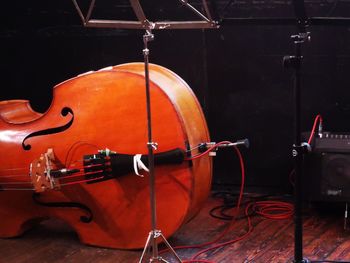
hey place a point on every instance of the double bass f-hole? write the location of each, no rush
(74, 174)
(64, 112)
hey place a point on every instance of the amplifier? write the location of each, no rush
(327, 168)
(332, 142)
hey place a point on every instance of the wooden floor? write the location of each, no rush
(270, 241)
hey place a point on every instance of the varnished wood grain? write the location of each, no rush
(107, 110)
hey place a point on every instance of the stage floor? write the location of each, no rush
(270, 241)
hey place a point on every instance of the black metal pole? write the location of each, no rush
(299, 149)
(298, 158)
(154, 233)
(148, 36)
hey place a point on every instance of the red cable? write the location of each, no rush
(207, 151)
(193, 260)
(274, 209)
(269, 209)
(250, 229)
(318, 117)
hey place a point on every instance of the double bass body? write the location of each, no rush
(94, 111)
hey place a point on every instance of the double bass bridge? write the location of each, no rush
(40, 172)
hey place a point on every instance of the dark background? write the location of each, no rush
(235, 71)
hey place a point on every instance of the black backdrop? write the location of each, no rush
(235, 71)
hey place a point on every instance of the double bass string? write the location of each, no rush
(12, 175)
(70, 164)
(14, 169)
(7, 186)
(61, 180)
(16, 189)
(83, 181)
(10, 183)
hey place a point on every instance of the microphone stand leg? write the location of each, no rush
(152, 236)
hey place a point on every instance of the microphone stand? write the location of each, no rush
(299, 148)
(154, 233)
(143, 23)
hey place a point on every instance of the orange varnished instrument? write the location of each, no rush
(69, 162)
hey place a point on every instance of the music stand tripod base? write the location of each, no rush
(154, 234)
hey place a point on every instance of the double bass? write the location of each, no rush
(76, 161)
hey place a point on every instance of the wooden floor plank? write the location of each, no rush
(342, 251)
(271, 241)
(276, 245)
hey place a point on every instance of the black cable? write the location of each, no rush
(229, 202)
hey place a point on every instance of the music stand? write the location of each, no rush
(205, 22)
